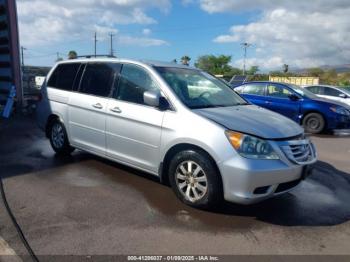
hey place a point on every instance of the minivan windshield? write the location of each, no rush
(303, 91)
(198, 89)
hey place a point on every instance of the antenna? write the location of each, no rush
(245, 47)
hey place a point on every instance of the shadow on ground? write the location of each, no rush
(321, 200)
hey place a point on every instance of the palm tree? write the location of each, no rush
(185, 60)
(72, 55)
(285, 68)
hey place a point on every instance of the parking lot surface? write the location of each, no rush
(84, 205)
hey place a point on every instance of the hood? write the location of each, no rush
(331, 102)
(253, 120)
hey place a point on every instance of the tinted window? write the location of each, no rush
(64, 75)
(134, 81)
(98, 79)
(316, 89)
(331, 92)
(278, 91)
(254, 89)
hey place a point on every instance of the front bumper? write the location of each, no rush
(248, 181)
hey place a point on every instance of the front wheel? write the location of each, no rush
(59, 139)
(195, 179)
(314, 123)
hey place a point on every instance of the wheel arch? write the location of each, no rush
(164, 166)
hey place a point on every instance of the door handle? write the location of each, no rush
(267, 102)
(116, 110)
(98, 106)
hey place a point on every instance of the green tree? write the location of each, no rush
(315, 72)
(185, 60)
(253, 70)
(216, 65)
(72, 55)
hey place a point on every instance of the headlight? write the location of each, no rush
(250, 146)
(340, 110)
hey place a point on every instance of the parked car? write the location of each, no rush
(340, 94)
(315, 114)
(175, 122)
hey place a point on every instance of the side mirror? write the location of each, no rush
(293, 97)
(151, 98)
(343, 95)
(155, 99)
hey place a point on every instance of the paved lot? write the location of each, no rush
(85, 205)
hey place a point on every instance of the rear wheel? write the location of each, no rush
(59, 139)
(314, 123)
(195, 179)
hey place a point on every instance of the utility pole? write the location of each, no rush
(95, 44)
(111, 50)
(22, 55)
(245, 47)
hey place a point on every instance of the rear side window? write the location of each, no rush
(63, 76)
(253, 89)
(98, 79)
(278, 91)
(316, 89)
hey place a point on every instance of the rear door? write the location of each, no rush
(254, 93)
(87, 107)
(278, 99)
(133, 129)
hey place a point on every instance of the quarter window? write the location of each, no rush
(134, 82)
(63, 76)
(98, 79)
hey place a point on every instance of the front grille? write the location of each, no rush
(300, 151)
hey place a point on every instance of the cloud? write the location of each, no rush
(146, 31)
(140, 41)
(303, 34)
(44, 22)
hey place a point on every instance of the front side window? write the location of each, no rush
(98, 78)
(331, 92)
(278, 91)
(134, 82)
(64, 76)
(197, 89)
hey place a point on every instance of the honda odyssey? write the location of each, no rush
(175, 122)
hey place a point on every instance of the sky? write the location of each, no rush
(301, 34)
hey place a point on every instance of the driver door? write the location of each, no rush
(133, 129)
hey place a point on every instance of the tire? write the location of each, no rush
(59, 138)
(195, 179)
(314, 123)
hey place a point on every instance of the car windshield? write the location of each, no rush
(303, 91)
(198, 89)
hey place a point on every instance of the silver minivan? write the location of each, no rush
(175, 122)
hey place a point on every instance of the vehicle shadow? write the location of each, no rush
(321, 200)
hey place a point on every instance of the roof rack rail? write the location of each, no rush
(94, 56)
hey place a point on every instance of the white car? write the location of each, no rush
(340, 94)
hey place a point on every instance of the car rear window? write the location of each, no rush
(63, 76)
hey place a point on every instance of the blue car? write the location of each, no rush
(315, 114)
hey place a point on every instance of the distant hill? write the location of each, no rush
(338, 68)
